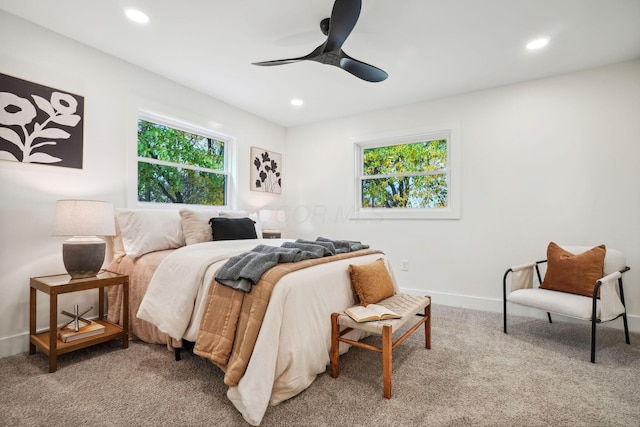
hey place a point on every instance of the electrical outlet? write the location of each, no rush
(405, 265)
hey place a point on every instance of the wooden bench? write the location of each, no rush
(408, 306)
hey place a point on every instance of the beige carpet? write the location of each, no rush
(474, 375)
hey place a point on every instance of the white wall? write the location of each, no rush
(113, 92)
(549, 160)
(556, 159)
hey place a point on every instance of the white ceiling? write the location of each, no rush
(430, 48)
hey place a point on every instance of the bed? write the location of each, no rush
(172, 285)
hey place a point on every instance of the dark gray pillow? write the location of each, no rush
(233, 228)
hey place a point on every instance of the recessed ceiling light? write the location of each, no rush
(137, 16)
(538, 43)
(297, 102)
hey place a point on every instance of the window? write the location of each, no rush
(408, 177)
(179, 163)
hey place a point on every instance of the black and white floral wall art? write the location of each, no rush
(39, 124)
(266, 171)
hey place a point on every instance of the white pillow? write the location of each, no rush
(118, 245)
(195, 225)
(149, 230)
(244, 214)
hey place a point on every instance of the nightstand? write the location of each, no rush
(48, 341)
(271, 234)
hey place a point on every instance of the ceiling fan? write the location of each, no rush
(344, 16)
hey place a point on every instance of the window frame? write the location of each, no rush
(449, 132)
(229, 160)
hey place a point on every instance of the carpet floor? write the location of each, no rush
(537, 375)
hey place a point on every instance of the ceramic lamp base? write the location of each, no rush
(83, 257)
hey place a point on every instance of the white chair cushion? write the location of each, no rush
(566, 304)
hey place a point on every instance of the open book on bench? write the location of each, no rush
(370, 313)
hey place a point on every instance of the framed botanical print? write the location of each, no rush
(266, 171)
(40, 124)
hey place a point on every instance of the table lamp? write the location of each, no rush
(83, 254)
(272, 220)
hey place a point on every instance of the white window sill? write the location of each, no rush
(382, 213)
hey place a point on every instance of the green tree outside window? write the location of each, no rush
(175, 166)
(412, 175)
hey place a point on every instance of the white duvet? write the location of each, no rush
(295, 338)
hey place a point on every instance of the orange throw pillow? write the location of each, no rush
(371, 282)
(576, 274)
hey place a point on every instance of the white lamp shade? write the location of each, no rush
(84, 218)
(273, 219)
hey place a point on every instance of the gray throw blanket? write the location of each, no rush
(245, 270)
(323, 248)
(343, 246)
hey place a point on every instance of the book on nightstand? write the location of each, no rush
(68, 334)
(371, 312)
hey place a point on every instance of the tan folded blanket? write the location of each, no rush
(232, 320)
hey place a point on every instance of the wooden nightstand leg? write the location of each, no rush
(101, 303)
(427, 327)
(53, 329)
(32, 319)
(387, 348)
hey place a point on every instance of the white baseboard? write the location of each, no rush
(14, 345)
(495, 305)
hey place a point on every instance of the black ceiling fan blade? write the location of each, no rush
(312, 55)
(344, 17)
(279, 62)
(362, 70)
